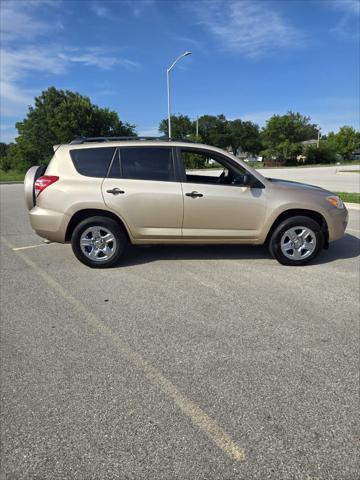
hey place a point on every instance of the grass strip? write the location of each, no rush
(349, 197)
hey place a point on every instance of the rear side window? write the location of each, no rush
(92, 162)
(146, 164)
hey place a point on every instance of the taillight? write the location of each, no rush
(42, 182)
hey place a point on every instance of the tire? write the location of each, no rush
(296, 241)
(99, 242)
(29, 181)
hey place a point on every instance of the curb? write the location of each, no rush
(352, 206)
(11, 182)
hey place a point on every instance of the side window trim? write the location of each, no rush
(178, 165)
(116, 154)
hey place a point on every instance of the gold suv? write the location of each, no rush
(102, 193)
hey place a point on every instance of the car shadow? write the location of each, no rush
(347, 247)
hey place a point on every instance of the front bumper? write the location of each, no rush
(337, 221)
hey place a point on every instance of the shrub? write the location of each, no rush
(323, 154)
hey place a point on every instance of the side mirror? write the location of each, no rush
(247, 180)
(243, 180)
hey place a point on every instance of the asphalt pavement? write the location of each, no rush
(185, 362)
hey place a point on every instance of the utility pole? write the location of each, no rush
(318, 139)
(185, 54)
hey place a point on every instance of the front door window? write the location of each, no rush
(203, 167)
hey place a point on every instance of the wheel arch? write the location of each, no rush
(293, 212)
(81, 215)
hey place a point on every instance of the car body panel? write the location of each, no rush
(224, 211)
(151, 209)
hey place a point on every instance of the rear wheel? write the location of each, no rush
(98, 242)
(296, 241)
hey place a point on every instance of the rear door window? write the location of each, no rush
(146, 163)
(92, 162)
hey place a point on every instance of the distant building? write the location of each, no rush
(309, 143)
(355, 154)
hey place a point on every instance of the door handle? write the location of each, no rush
(194, 194)
(115, 191)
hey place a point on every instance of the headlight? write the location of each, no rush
(335, 201)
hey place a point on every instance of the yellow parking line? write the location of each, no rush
(16, 249)
(187, 406)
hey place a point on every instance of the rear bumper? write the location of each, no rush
(49, 224)
(337, 222)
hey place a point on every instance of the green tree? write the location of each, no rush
(3, 149)
(344, 142)
(243, 135)
(181, 126)
(6, 155)
(57, 117)
(283, 133)
(213, 130)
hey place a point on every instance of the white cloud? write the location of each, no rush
(99, 9)
(95, 57)
(248, 26)
(51, 59)
(138, 6)
(348, 6)
(347, 26)
(7, 133)
(14, 100)
(22, 53)
(16, 64)
(19, 22)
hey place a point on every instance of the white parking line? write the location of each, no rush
(30, 246)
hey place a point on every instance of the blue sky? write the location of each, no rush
(250, 58)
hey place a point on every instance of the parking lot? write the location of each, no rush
(196, 362)
(336, 178)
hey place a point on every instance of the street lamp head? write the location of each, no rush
(185, 54)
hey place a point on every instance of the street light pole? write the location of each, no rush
(185, 54)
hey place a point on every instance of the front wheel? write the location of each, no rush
(98, 242)
(296, 241)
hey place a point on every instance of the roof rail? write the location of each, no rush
(80, 140)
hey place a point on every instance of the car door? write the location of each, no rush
(142, 189)
(216, 205)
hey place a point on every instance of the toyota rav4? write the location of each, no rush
(102, 193)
